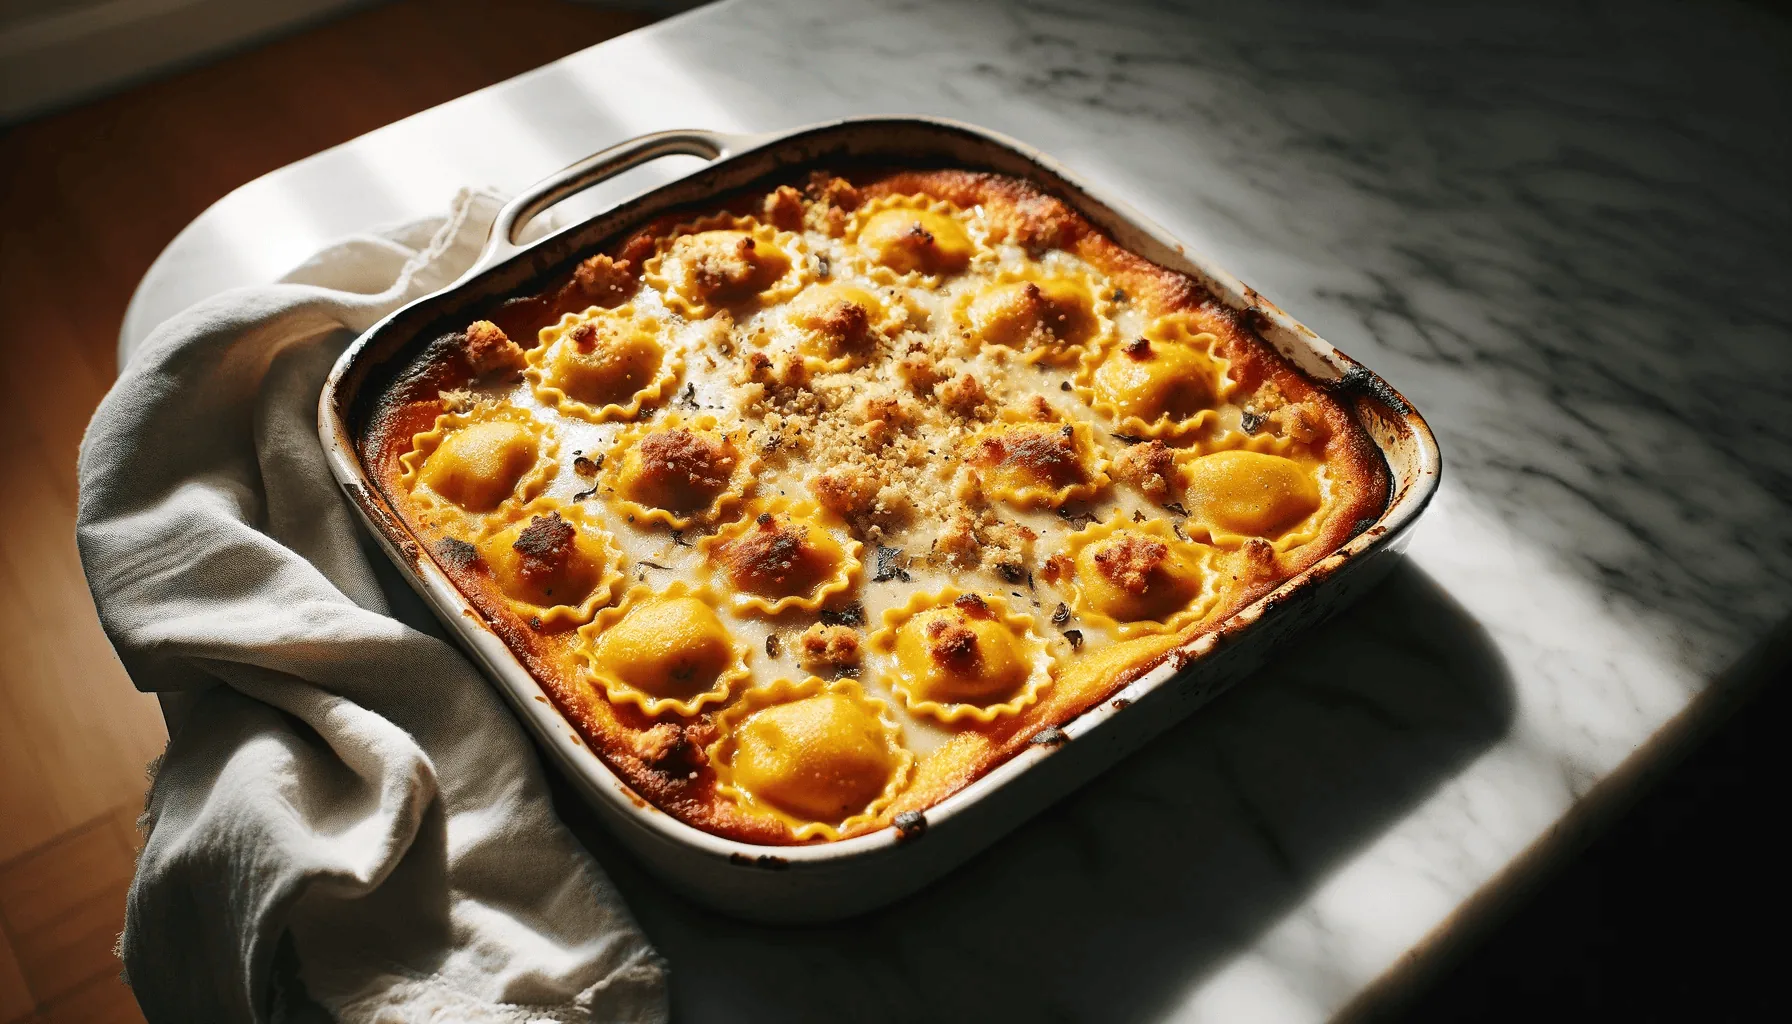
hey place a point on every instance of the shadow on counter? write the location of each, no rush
(1112, 903)
(1661, 915)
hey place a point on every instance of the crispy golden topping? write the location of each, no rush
(892, 409)
(544, 546)
(958, 542)
(964, 395)
(1267, 399)
(1048, 454)
(1028, 305)
(603, 281)
(584, 336)
(726, 268)
(973, 606)
(457, 400)
(1148, 467)
(831, 200)
(1038, 223)
(674, 748)
(1130, 560)
(686, 459)
(1255, 560)
(917, 239)
(772, 554)
(919, 371)
(924, 402)
(973, 538)
(884, 416)
(844, 322)
(847, 490)
(1270, 411)
(952, 644)
(1009, 536)
(1037, 409)
(829, 220)
(786, 370)
(490, 350)
(836, 192)
(823, 646)
(784, 208)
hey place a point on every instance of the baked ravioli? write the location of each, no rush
(810, 507)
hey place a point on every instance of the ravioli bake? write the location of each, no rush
(809, 508)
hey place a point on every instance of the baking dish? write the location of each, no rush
(840, 878)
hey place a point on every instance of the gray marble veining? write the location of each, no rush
(1563, 232)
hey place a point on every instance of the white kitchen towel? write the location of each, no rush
(348, 821)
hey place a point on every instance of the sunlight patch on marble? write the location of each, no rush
(1590, 688)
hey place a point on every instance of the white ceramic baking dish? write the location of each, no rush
(833, 880)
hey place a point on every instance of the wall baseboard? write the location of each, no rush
(49, 59)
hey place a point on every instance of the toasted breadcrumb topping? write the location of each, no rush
(1035, 223)
(768, 552)
(1255, 560)
(848, 490)
(784, 208)
(668, 747)
(1037, 409)
(831, 200)
(1148, 467)
(544, 546)
(686, 458)
(602, 281)
(920, 372)
(828, 647)
(489, 350)
(1049, 454)
(844, 322)
(964, 396)
(1270, 411)
(720, 268)
(458, 400)
(952, 644)
(1130, 560)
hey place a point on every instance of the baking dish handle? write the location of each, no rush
(597, 167)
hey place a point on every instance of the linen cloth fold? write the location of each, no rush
(347, 822)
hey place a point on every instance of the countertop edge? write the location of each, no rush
(1454, 939)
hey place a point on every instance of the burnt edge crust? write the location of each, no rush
(1038, 221)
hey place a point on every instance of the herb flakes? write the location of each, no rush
(1077, 520)
(851, 615)
(891, 566)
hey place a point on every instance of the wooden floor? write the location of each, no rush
(88, 197)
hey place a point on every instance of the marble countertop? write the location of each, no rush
(1564, 235)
